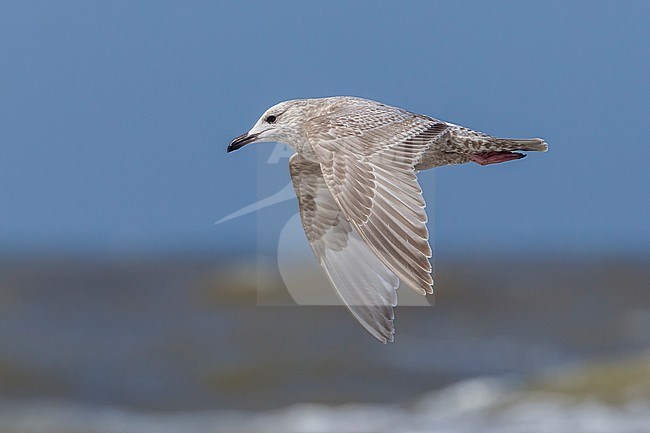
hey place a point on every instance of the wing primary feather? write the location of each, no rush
(362, 281)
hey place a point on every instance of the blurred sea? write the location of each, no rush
(180, 344)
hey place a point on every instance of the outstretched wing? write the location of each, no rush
(362, 281)
(368, 159)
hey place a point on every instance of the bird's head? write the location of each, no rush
(282, 123)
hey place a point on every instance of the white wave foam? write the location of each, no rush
(485, 404)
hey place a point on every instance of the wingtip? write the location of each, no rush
(385, 335)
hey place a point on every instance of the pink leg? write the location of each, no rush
(487, 158)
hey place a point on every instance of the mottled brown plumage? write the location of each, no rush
(360, 202)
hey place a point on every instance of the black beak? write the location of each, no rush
(241, 141)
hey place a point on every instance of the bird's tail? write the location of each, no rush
(496, 150)
(464, 140)
(485, 149)
(527, 144)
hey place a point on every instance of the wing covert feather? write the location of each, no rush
(368, 158)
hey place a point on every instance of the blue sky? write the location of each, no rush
(114, 116)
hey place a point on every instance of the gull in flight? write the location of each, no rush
(361, 206)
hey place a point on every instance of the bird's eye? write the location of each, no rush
(270, 119)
